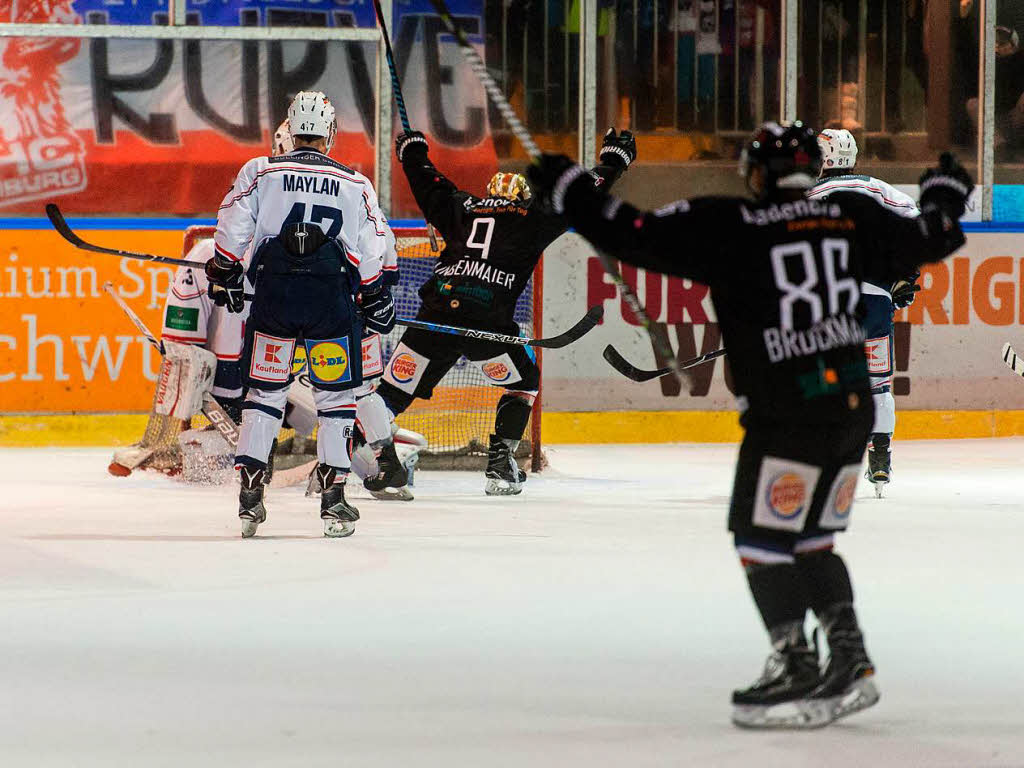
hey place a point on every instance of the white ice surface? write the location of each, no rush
(601, 619)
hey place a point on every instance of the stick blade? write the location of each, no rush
(578, 331)
(60, 224)
(626, 368)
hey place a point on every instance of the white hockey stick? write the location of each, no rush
(1010, 357)
(212, 410)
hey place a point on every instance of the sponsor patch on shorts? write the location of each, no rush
(879, 355)
(500, 370)
(182, 318)
(785, 489)
(271, 358)
(328, 361)
(299, 361)
(373, 358)
(839, 504)
(406, 369)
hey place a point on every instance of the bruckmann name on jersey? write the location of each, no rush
(319, 184)
(831, 333)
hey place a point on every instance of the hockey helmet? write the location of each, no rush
(312, 114)
(283, 143)
(787, 154)
(511, 186)
(838, 149)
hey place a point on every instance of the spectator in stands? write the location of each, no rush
(1009, 92)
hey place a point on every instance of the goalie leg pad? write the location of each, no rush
(262, 414)
(336, 413)
(374, 418)
(186, 375)
(300, 412)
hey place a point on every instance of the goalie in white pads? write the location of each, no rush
(320, 243)
(880, 297)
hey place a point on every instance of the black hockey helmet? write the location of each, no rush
(787, 154)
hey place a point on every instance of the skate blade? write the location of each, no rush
(804, 714)
(497, 487)
(859, 696)
(393, 494)
(338, 529)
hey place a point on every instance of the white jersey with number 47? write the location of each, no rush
(306, 185)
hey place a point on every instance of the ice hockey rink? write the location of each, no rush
(599, 619)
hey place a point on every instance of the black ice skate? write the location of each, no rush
(392, 478)
(779, 698)
(338, 515)
(847, 684)
(250, 500)
(879, 461)
(504, 477)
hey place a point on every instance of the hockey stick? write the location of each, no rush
(584, 326)
(212, 410)
(630, 371)
(1015, 363)
(57, 219)
(523, 135)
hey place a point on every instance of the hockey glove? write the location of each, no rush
(226, 284)
(903, 293)
(947, 187)
(411, 144)
(620, 146)
(550, 177)
(378, 310)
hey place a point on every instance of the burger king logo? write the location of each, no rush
(496, 371)
(844, 496)
(328, 361)
(786, 495)
(403, 368)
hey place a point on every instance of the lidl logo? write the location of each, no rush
(786, 495)
(403, 368)
(328, 361)
(299, 361)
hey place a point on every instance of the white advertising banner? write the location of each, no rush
(947, 350)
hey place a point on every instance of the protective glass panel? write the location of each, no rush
(1009, 107)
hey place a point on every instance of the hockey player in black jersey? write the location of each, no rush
(785, 275)
(492, 245)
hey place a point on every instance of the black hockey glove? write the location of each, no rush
(621, 147)
(378, 310)
(903, 293)
(226, 284)
(411, 144)
(550, 177)
(948, 187)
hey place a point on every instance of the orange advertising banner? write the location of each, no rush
(65, 346)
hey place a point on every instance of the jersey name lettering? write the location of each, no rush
(797, 209)
(830, 333)
(317, 184)
(477, 269)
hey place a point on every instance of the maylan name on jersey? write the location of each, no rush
(796, 209)
(479, 270)
(319, 184)
(830, 333)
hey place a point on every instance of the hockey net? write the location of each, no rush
(459, 417)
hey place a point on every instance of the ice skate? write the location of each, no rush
(392, 478)
(847, 684)
(250, 500)
(338, 515)
(780, 697)
(879, 462)
(504, 477)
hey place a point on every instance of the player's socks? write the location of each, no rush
(847, 684)
(250, 499)
(338, 515)
(504, 477)
(879, 469)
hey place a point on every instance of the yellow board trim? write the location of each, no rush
(558, 427)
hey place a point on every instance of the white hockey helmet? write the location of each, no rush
(312, 114)
(283, 143)
(838, 149)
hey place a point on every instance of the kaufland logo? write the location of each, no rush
(40, 154)
(270, 353)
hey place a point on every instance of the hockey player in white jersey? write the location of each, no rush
(320, 241)
(881, 298)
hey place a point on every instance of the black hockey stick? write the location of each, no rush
(630, 371)
(523, 135)
(57, 219)
(212, 410)
(1010, 357)
(584, 326)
